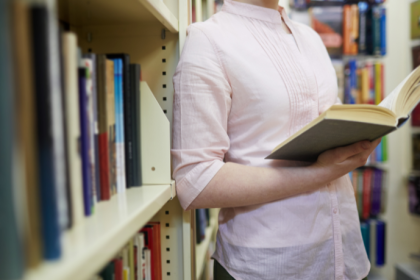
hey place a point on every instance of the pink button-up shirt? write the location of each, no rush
(243, 86)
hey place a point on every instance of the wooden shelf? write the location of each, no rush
(81, 13)
(202, 248)
(90, 245)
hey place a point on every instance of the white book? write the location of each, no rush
(73, 125)
(148, 268)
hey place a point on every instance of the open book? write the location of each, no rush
(342, 125)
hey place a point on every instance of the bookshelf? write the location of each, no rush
(88, 246)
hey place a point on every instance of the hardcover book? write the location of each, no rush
(343, 125)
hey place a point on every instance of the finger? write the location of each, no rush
(343, 153)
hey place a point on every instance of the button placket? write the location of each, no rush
(338, 244)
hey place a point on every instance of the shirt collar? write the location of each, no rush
(253, 11)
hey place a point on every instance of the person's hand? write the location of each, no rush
(340, 161)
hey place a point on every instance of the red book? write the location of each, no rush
(347, 28)
(104, 166)
(158, 255)
(118, 269)
(367, 186)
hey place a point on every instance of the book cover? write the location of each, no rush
(111, 119)
(118, 268)
(367, 181)
(25, 122)
(104, 154)
(12, 263)
(383, 31)
(363, 7)
(380, 243)
(149, 238)
(157, 256)
(347, 29)
(378, 83)
(119, 126)
(129, 114)
(84, 143)
(73, 124)
(328, 23)
(360, 192)
(354, 34)
(108, 272)
(414, 194)
(49, 141)
(148, 262)
(131, 259)
(135, 97)
(93, 72)
(384, 144)
(88, 65)
(376, 31)
(365, 228)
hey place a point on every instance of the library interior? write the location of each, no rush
(91, 140)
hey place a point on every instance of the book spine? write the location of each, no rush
(380, 243)
(378, 83)
(367, 180)
(376, 29)
(373, 225)
(383, 31)
(354, 47)
(362, 27)
(11, 252)
(128, 122)
(347, 29)
(365, 228)
(118, 266)
(353, 81)
(50, 224)
(86, 170)
(104, 166)
(360, 193)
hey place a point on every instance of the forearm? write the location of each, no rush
(238, 185)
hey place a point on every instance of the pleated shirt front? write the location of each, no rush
(242, 86)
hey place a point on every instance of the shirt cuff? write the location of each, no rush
(196, 180)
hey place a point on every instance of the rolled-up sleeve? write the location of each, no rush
(201, 107)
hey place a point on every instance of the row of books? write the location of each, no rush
(140, 259)
(304, 4)
(370, 191)
(70, 132)
(374, 239)
(202, 221)
(358, 29)
(414, 193)
(362, 82)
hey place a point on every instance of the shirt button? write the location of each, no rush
(335, 210)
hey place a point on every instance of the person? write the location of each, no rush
(248, 78)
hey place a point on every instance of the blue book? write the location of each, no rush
(353, 81)
(119, 123)
(383, 30)
(380, 243)
(84, 143)
(378, 153)
(11, 255)
(50, 175)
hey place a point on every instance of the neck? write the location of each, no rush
(271, 4)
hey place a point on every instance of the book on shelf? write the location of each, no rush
(343, 125)
(414, 193)
(416, 151)
(353, 28)
(374, 239)
(139, 259)
(119, 126)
